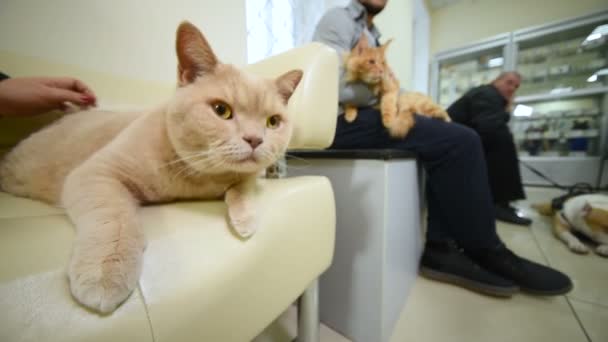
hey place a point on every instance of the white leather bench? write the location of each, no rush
(199, 282)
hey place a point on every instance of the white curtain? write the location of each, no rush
(274, 26)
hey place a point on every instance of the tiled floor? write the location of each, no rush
(440, 312)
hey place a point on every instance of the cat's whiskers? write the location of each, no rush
(187, 157)
(193, 157)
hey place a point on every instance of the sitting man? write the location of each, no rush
(485, 109)
(462, 246)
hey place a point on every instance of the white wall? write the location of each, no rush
(396, 21)
(421, 46)
(133, 39)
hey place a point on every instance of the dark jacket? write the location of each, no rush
(482, 108)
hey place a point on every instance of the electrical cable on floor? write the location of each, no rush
(571, 191)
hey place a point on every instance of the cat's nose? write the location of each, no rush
(253, 141)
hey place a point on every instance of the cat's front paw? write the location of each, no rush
(350, 113)
(578, 247)
(102, 285)
(602, 250)
(244, 224)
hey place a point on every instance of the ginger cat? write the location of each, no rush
(586, 214)
(368, 65)
(221, 128)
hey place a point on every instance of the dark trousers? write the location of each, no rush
(459, 200)
(503, 165)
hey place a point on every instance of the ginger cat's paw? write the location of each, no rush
(388, 120)
(389, 110)
(350, 113)
(102, 284)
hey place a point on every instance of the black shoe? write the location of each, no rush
(509, 215)
(445, 261)
(529, 276)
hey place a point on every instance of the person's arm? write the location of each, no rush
(335, 29)
(37, 95)
(488, 111)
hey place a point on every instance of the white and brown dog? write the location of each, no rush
(586, 214)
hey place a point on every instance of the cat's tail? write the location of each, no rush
(544, 208)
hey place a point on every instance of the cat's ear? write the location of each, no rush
(194, 54)
(288, 82)
(385, 45)
(361, 44)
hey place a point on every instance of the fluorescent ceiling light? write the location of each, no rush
(522, 110)
(496, 62)
(593, 36)
(592, 78)
(597, 33)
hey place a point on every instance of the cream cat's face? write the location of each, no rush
(223, 119)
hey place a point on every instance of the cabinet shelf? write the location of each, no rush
(545, 117)
(561, 95)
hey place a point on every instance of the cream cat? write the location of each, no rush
(368, 65)
(221, 128)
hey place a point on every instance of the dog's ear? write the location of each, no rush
(586, 209)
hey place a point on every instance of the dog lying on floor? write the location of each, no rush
(586, 214)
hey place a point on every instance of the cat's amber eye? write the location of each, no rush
(222, 110)
(273, 121)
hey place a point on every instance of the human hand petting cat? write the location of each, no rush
(25, 96)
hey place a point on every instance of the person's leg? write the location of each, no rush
(443, 258)
(460, 207)
(503, 166)
(452, 157)
(457, 181)
(503, 174)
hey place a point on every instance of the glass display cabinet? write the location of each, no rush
(559, 117)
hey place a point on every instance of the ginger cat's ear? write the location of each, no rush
(385, 45)
(288, 82)
(195, 56)
(361, 44)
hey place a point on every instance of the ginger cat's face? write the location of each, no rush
(366, 63)
(223, 119)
